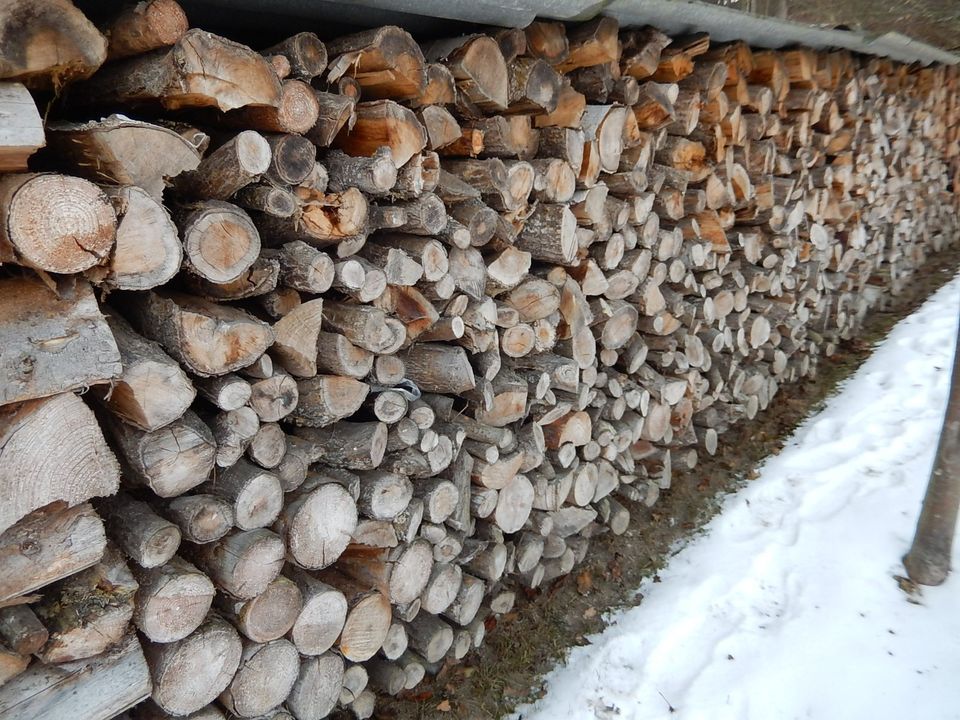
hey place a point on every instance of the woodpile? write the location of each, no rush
(314, 354)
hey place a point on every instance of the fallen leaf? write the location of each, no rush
(444, 706)
(590, 613)
(584, 582)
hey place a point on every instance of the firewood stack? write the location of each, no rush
(311, 355)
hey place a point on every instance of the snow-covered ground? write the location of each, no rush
(787, 607)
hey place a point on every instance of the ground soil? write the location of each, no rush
(523, 644)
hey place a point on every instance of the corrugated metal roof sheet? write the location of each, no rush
(433, 17)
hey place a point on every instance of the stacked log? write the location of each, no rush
(376, 333)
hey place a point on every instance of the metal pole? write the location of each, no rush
(928, 562)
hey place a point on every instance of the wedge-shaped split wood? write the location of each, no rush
(200, 70)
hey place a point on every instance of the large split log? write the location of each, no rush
(78, 628)
(22, 131)
(148, 251)
(200, 70)
(54, 341)
(386, 61)
(72, 467)
(47, 43)
(384, 123)
(48, 545)
(99, 688)
(170, 460)
(152, 391)
(124, 151)
(208, 339)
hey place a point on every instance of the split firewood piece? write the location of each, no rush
(654, 109)
(430, 636)
(243, 563)
(368, 616)
(549, 234)
(148, 251)
(336, 112)
(317, 523)
(386, 61)
(48, 43)
(363, 325)
(172, 600)
(233, 431)
(383, 123)
(561, 143)
(74, 466)
(254, 493)
(297, 111)
(209, 339)
(269, 615)
(427, 252)
(264, 678)
(439, 368)
(336, 355)
(306, 53)
(416, 313)
(169, 461)
(78, 628)
(22, 133)
(534, 299)
(534, 86)
(323, 220)
(570, 105)
(426, 215)
(508, 136)
(547, 41)
(479, 68)
(604, 124)
(143, 27)
(200, 70)
(325, 399)
(592, 43)
(555, 180)
(305, 268)
(237, 163)
(298, 332)
(37, 362)
(97, 689)
(374, 175)
(440, 88)
(21, 631)
(56, 223)
(577, 315)
(317, 687)
(69, 540)
(144, 536)
(441, 126)
(507, 270)
(321, 619)
(192, 672)
(268, 447)
(349, 445)
(641, 51)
